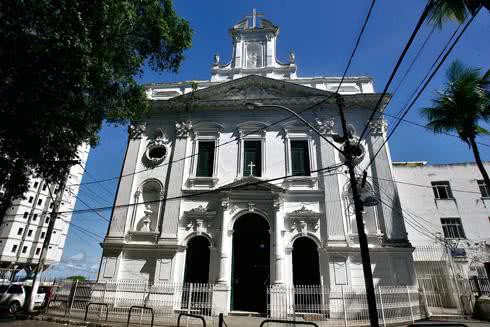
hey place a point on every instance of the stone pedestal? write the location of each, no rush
(221, 299)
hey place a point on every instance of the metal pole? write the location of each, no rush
(363, 243)
(47, 241)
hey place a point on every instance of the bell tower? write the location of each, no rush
(254, 52)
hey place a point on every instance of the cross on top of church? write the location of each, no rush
(254, 17)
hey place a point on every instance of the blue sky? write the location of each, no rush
(322, 33)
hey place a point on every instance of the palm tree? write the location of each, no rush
(457, 10)
(464, 102)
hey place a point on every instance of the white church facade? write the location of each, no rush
(215, 191)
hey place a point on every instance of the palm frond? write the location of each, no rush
(444, 10)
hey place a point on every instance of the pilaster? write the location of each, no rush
(174, 189)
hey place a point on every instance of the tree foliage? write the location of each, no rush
(461, 106)
(77, 277)
(68, 65)
(456, 10)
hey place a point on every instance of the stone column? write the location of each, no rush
(390, 218)
(120, 217)
(174, 189)
(278, 234)
(221, 291)
(224, 247)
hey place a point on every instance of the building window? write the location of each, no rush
(36, 184)
(252, 158)
(24, 249)
(29, 233)
(300, 159)
(14, 248)
(26, 214)
(45, 186)
(39, 202)
(20, 231)
(38, 250)
(34, 217)
(31, 199)
(442, 190)
(484, 189)
(42, 235)
(452, 228)
(205, 159)
(47, 220)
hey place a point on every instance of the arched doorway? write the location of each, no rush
(251, 252)
(306, 267)
(197, 260)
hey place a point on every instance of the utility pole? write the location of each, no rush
(44, 251)
(349, 150)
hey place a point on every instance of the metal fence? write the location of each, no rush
(343, 305)
(166, 299)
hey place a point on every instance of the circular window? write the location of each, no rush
(155, 154)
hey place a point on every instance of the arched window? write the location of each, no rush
(306, 266)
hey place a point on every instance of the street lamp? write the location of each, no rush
(349, 153)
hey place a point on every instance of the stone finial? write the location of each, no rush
(216, 59)
(182, 129)
(292, 57)
(378, 127)
(325, 126)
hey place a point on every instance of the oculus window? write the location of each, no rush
(205, 159)
(300, 160)
(252, 158)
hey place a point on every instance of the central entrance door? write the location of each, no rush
(250, 274)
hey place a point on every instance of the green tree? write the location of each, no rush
(442, 10)
(67, 66)
(461, 106)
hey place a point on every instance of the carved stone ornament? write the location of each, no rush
(182, 129)
(292, 57)
(200, 212)
(304, 220)
(325, 126)
(136, 129)
(251, 206)
(199, 226)
(225, 203)
(378, 127)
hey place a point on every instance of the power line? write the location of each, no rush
(398, 63)
(424, 86)
(356, 44)
(217, 190)
(233, 140)
(89, 207)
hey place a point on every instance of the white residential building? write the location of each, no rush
(25, 224)
(194, 177)
(447, 204)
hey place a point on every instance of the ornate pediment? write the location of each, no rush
(303, 220)
(251, 183)
(200, 212)
(252, 87)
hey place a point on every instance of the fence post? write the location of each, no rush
(343, 305)
(410, 303)
(71, 297)
(189, 298)
(382, 307)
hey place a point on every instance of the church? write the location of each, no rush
(219, 186)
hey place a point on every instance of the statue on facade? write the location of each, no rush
(292, 57)
(216, 59)
(147, 219)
